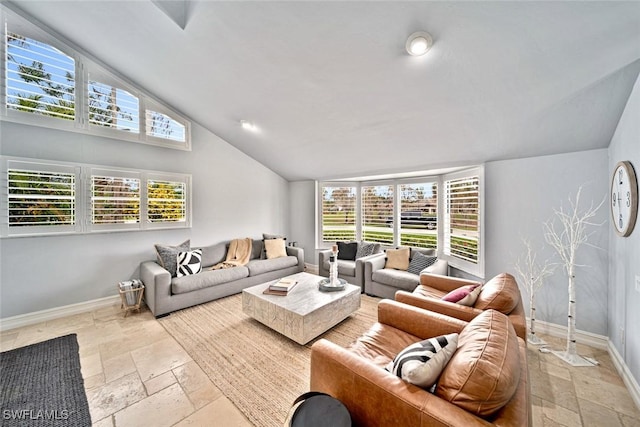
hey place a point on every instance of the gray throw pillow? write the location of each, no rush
(168, 255)
(419, 262)
(366, 249)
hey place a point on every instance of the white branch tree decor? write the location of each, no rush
(532, 274)
(570, 235)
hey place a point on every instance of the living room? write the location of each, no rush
(541, 98)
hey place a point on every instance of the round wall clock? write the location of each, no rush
(624, 198)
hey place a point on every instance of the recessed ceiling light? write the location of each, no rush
(246, 124)
(419, 43)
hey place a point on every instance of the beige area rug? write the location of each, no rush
(259, 370)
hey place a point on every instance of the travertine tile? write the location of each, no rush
(118, 367)
(158, 358)
(594, 415)
(105, 422)
(559, 414)
(165, 408)
(616, 398)
(220, 413)
(113, 396)
(91, 365)
(160, 382)
(196, 384)
(94, 381)
(628, 421)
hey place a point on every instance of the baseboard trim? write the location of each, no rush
(57, 312)
(583, 337)
(623, 370)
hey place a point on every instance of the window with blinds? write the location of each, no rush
(462, 230)
(41, 198)
(419, 215)
(160, 125)
(40, 78)
(115, 200)
(338, 215)
(113, 107)
(166, 201)
(377, 214)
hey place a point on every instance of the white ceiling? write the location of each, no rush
(334, 94)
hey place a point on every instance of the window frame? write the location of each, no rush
(86, 66)
(357, 227)
(83, 198)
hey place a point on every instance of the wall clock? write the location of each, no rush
(624, 198)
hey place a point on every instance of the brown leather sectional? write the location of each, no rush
(485, 382)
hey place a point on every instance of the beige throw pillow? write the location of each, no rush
(275, 248)
(398, 259)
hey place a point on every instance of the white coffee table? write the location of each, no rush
(305, 312)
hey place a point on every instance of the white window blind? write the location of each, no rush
(115, 199)
(462, 219)
(40, 79)
(419, 215)
(159, 125)
(166, 201)
(338, 213)
(112, 107)
(41, 198)
(377, 213)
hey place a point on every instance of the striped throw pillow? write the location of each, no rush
(189, 263)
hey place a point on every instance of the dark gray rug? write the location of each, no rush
(41, 385)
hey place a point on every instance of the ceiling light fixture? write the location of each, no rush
(419, 43)
(246, 124)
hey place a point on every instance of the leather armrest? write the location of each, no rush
(443, 307)
(445, 283)
(416, 321)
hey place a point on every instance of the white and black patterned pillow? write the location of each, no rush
(365, 249)
(189, 262)
(421, 363)
(420, 261)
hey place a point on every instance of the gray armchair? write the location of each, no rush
(351, 271)
(384, 282)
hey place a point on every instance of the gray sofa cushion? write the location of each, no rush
(396, 278)
(345, 267)
(211, 255)
(206, 278)
(257, 247)
(260, 266)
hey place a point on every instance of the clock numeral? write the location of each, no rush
(620, 176)
(628, 199)
(613, 199)
(621, 222)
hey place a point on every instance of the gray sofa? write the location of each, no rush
(164, 294)
(384, 282)
(351, 271)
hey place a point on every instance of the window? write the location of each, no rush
(40, 197)
(462, 230)
(113, 107)
(419, 215)
(377, 214)
(166, 201)
(115, 198)
(55, 197)
(338, 213)
(46, 82)
(39, 78)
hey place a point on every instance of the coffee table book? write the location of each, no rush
(281, 287)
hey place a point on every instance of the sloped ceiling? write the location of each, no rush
(334, 94)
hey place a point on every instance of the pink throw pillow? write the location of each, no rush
(465, 295)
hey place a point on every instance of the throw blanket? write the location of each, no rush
(239, 254)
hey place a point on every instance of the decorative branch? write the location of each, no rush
(532, 274)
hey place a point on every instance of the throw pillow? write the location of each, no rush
(420, 261)
(398, 259)
(167, 255)
(267, 236)
(421, 363)
(366, 249)
(347, 250)
(189, 263)
(464, 295)
(275, 248)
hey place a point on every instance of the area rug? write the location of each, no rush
(258, 369)
(41, 385)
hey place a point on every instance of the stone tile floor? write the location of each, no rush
(136, 374)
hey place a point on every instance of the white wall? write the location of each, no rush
(233, 196)
(624, 259)
(302, 211)
(520, 196)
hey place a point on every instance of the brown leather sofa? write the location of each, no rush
(485, 383)
(500, 293)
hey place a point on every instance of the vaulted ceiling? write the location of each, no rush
(334, 94)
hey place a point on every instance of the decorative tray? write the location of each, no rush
(325, 285)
